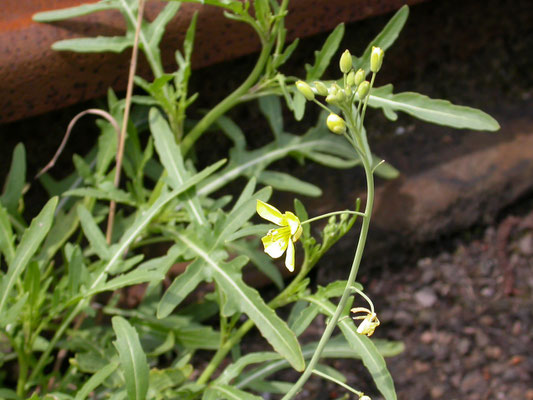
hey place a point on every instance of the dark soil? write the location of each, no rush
(464, 314)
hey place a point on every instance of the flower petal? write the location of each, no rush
(293, 221)
(275, 246)
(269, 213)
(289, 259)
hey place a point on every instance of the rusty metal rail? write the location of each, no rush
(35, 79)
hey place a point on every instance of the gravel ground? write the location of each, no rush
(464, 314)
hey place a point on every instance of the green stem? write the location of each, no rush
(307, 221)
(347, 290)
(342, 384)
(226, 104)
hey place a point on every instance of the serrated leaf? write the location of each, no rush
(156, 29)
(270, 106)
(7, 238)
(73, 12)
(181, 287)
(96, 380)
(248, 300)
(30, 242)
(234, 370)
(324, 56)
(171, 158)
(93, 233)
(99, 44)
(229, 393)
(285, 182)
(437, 111)
(133, 361)
(15, 180)
(385, 38)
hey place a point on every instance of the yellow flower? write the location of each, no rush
(278, 240)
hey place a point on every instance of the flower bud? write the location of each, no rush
(359, 77)
(365, 397)
(346, 62)
(350, 78)
(333, 89)
(348, 91)
(331, 99)
(321, 88)
(376, 59)
(305, 89)
(336, 124)
(340, 96)
(362, 90)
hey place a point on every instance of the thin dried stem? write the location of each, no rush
(95, 111)
(122, 137)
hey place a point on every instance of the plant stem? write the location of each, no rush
(307, 221)
(230, 101)
(347, 290)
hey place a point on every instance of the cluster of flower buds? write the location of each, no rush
(355, 87)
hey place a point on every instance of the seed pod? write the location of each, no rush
(305, 89)
(336, 124)
(321, 88)
(346, 62)
(376, 59)
(363, 89)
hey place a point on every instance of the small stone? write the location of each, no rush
(516, 329)
(426, 297)
(426, 337)
(525, 245)
(486, 320)
(487, 291)
(529, 394)
(424, 262)
(493, 352)
(437, 392)
(472, 380)
(463, 346)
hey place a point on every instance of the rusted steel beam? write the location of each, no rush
(36, 79)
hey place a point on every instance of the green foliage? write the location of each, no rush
(66, 328)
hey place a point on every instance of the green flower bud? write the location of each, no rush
(346, 62)
(336, 124)
(333, 89)
(321, 88)
(332, 220)
(340, 96)
(348, 91)
(359, 77)
(305, 89)
(331, 99)
(376, 59)
(363, 89)
(350, 78)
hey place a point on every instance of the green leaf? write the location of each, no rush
(282, 59)
(107, 192)
(229, 393)
(133, 361)
(248, 300)
(285, 182)
(383, 169)
(73, 12)
(181, 287)
(324, 56)
(15, 180)
(275, 387)
(131, 234)
(31, 239)
(96, 380)
(235, 369)
(93, 233)
(304, 319)
(298, 104)
(171, 158)
(436, 111)
(385, 38)
(232, 131)
(270, 106)
(156, 29)
(99, 44)
(6, 236)
(64, 226)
